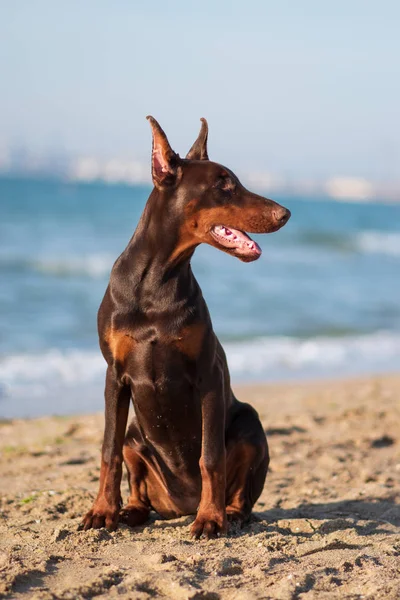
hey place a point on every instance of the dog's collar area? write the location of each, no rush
(237, 240)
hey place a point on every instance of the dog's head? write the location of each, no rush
(215, 208)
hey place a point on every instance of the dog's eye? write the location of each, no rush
(225, 184)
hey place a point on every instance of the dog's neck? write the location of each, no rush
(152, 265)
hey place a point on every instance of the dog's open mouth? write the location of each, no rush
(237, 241)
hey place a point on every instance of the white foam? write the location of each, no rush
(377, 242)
(92, 265)
(89, 265)
(42, 382)
(286, 355)
(55, 373)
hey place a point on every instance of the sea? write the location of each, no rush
(323, 301)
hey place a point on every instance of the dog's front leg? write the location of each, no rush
(105, 510)
(211, 515)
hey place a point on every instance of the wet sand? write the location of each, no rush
(326, 526)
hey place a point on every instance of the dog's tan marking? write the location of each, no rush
(190, 340)
(187, 240)
(198, 223)
(247, 217)
(120, 342)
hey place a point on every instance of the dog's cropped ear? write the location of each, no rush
(199, 149)
(164, 161)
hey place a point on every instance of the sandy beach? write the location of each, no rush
(326, 526)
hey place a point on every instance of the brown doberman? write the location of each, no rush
(192, 447)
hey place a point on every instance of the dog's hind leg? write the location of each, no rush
(137, 510)
(247, 461)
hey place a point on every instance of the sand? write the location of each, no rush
(326, 526)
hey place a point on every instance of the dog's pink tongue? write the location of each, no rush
(237, 239)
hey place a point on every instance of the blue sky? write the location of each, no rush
(305, 89)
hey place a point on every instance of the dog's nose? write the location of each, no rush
(281, 215)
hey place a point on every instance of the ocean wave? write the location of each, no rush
(90, 265)
(378, 242)
(70, 366)
(261, 358)
(281, 356)
(98, 265)
(364, 242)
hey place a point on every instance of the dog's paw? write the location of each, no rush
(101, 515)
(208, 527)
(133, 515)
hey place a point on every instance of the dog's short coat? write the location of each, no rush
(192, 447)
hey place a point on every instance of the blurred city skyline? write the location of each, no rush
(292, 92)
(19, 162)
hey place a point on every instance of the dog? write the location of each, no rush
(192, 448)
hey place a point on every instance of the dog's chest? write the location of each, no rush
(166, 396)
(156, 353)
